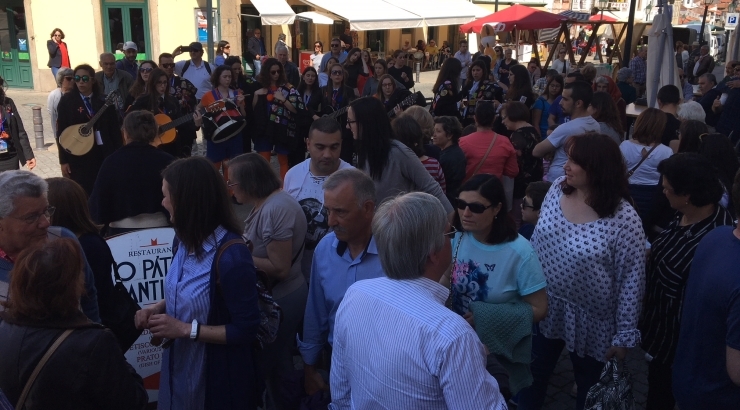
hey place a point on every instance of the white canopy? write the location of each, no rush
(316, 17)
(443, 12)
(368, 14)
(661, 63)
(274, 12)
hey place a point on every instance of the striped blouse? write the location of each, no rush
(668, 271)
(435, 170)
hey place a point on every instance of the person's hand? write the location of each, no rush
(397, 110)
(257, 57)
(177, 51)
(280, 97)
(733, 84)
(31, 163)
(616, 351)
(316, 117)
(404, 76)
(717, 105)
(471, 320)
(261, 91)
(166, 326)
(66, 170)
(141, 320)
(313, 381)
(197, 119)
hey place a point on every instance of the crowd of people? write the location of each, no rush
(422, 257)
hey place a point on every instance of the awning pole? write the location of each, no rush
(209, 27)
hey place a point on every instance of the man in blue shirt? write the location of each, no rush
(706, 371)
(24, 222)
(335, 51)
(342, 257)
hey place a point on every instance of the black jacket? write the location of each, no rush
(19, 145)
(129, 183)
(55, 53)
(305, 117)
(87, 371)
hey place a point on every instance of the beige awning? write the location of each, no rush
(274, 12)
(369, 14)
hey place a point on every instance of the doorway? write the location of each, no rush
(15, 54)
(124, 22)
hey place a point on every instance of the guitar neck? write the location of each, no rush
(97, 115)
(338, 112)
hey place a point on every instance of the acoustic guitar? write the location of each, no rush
(167, 131)
(79, 139)
(407, 102)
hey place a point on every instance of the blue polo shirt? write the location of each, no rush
(333, 271)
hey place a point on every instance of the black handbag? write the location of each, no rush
(121, 318)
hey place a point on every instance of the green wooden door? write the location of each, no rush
(127, 22)
(15, 54)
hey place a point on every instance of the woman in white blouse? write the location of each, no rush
(560, 63)
(592, 248)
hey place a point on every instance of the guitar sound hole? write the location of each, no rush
(84, 131)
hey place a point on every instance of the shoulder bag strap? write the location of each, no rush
(22, 400)
(644, 157)
(236, 242)
(493, 142)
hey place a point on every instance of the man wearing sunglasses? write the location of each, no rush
(113, 79)
(195, 70)
(128, 63)
(24, 222)
(335, 50)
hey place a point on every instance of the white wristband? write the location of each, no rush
(194, 330)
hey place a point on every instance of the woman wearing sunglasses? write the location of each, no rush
(77, 107)
(560, 63)
(335, 96)
(275, 106)
(222, 52)
(138, 89)
(592, 248)
(496, 274)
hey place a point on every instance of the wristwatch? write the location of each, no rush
(194, 330)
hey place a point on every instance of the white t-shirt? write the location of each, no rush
(307, 189)
(560, 135)
(647, 173)
(316, 60)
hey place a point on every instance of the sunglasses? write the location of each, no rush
(84, 78)
(167, 65)
(145, 70)
(335, 45)
(475, 207)
(225, 47)
(335, 72)
(274, 72)
(451, 233)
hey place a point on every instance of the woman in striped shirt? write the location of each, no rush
(408, 131)
(693, 190)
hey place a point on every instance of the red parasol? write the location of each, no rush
(602, 18)
(516, 17)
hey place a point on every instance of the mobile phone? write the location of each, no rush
(523, 99)
(185, 49)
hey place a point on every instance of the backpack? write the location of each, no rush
(187, 65)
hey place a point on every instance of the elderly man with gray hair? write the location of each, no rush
(24, 222)
(291, 71)
(65, 82)
(113, 79)
(342, 257)
(396, 345)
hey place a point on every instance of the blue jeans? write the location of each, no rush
(54, 71)
(545, 353)
(257, 67)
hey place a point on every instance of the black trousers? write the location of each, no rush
(660, 380)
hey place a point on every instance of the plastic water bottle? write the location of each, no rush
(3, 146)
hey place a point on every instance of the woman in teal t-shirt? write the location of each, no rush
(491, 262)
(541, 108)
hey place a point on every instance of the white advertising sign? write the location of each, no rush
(143, 259)
(731, 21)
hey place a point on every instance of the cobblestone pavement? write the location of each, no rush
(561, 383)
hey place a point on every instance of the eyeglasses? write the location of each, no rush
(33, 218)
(334, 45)
(84, 78)
(351, 121)
(230, 184)
(57, 35)
(167, 65)
(69, 78)
(475, 207)
(451, 233)
(336, 72)
(525, 206)
(274, 72)
(145, 69)
(225, 47)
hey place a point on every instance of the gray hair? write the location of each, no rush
(601, 80)
(624, 74)
(106, 55)
(362, 184)
(691, 110)
(281, 48)
(19, 184)
(414, 222)
(63, 72)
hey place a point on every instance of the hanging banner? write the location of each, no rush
(143, 259)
